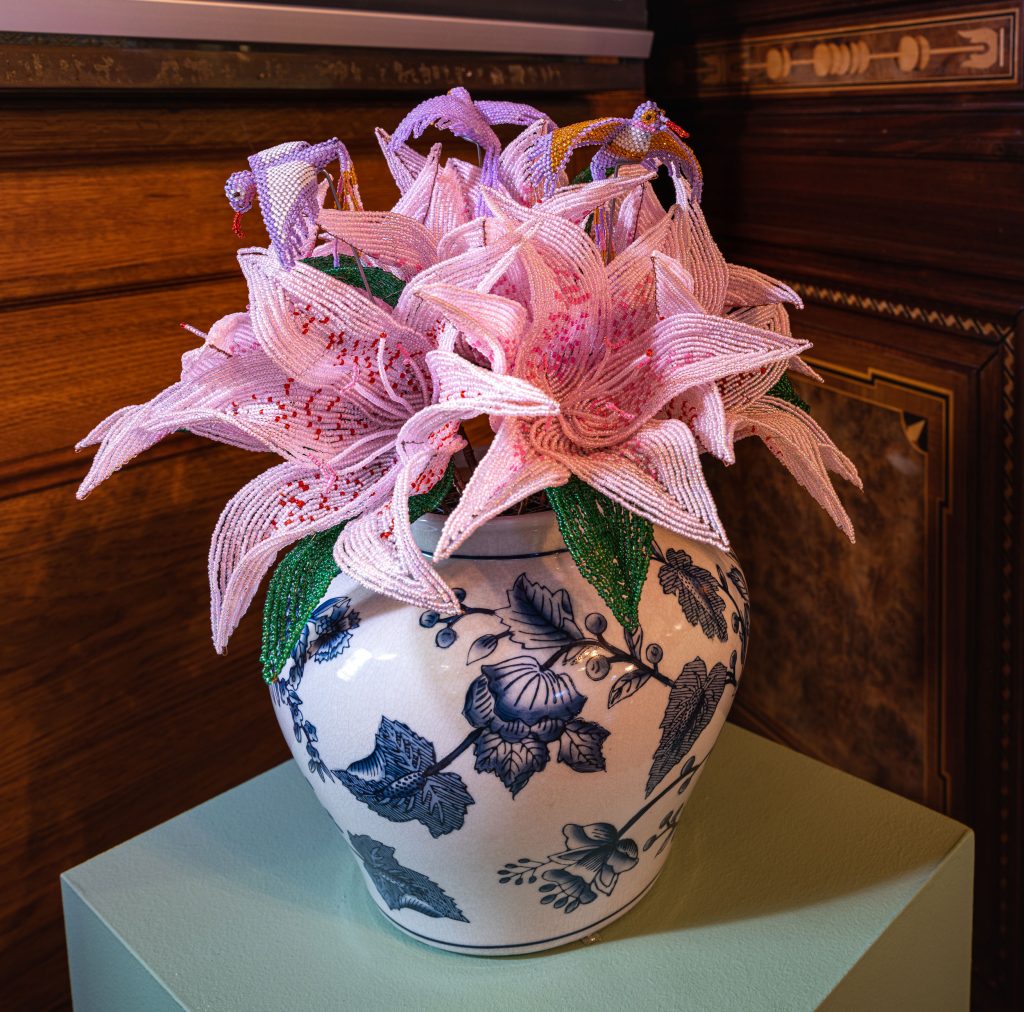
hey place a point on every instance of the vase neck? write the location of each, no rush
(500, 538)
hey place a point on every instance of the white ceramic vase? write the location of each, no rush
(510, 780)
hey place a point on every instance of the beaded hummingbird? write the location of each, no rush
(459, 113)
(648, 137)
(285, 180)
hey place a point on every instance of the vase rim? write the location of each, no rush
(503, 537)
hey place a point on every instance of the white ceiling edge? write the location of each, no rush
(213, 20)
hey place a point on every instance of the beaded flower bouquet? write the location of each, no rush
(503, 625)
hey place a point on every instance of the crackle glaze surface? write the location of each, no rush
(511, 779)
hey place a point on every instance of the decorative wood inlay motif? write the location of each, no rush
(957, 323)
(1009, 786)
(68, 62)
(966, 49)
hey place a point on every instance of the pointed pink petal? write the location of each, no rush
(404, 163)
(378, 549)
(703, 410)
(509, 472)
(415, 200)
(673, 287)
(772, 316)
(241, 399)
(749, 287)
(804, 449)
(690, 349)
(479, 269)
(271, 512)
(456, 381)
(315, 327)
(639, 212)
(492, 324)
(449, 204)
(658, 476)
(473, 235)
(702, 258)
(798, 365)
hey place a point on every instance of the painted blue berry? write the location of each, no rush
(445, 637)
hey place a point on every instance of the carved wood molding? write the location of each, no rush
(41, 62)
(954, 323)
(966, 49)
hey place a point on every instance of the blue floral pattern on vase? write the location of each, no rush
(402, 780)
(522, 708)
(402, 888)
(331, 625)
(594, 856)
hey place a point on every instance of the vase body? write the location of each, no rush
(511, 780)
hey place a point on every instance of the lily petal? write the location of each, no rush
(508, 473)
(271, 512)
(804, 450)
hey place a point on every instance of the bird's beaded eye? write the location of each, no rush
(649, 116)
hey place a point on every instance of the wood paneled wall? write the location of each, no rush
(117, 714)
(872, 154)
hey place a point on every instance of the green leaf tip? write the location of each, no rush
(610, 545)
(302, 577)
(382, 284)
(784, 391)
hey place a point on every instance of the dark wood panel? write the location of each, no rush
(895, 205)
(967, 223)
(117, 713)
(88, 358)
(874, 673)
(139, 127)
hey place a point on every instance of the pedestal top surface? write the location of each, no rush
(783, 874)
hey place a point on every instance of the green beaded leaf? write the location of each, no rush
(383, 285)
(302, 577)
(299, 581)
(610, 545)
(784, 391)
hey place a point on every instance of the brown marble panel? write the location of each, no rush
(837, 662)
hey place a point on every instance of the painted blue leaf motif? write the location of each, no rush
(626, 685)
(513, 762)
(402, 888)
(697, 593)
(692, 702)
(538, 618)
(324, 637)
(740, 582)
(580, 746)
(333, 622)
(395, 781)
(483, 646)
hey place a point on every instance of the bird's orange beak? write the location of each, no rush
(677, 130)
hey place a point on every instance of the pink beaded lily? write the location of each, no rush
(604, 338)
(611, 346)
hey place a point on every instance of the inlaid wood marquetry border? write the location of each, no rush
(965, 49)
(954, 323)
